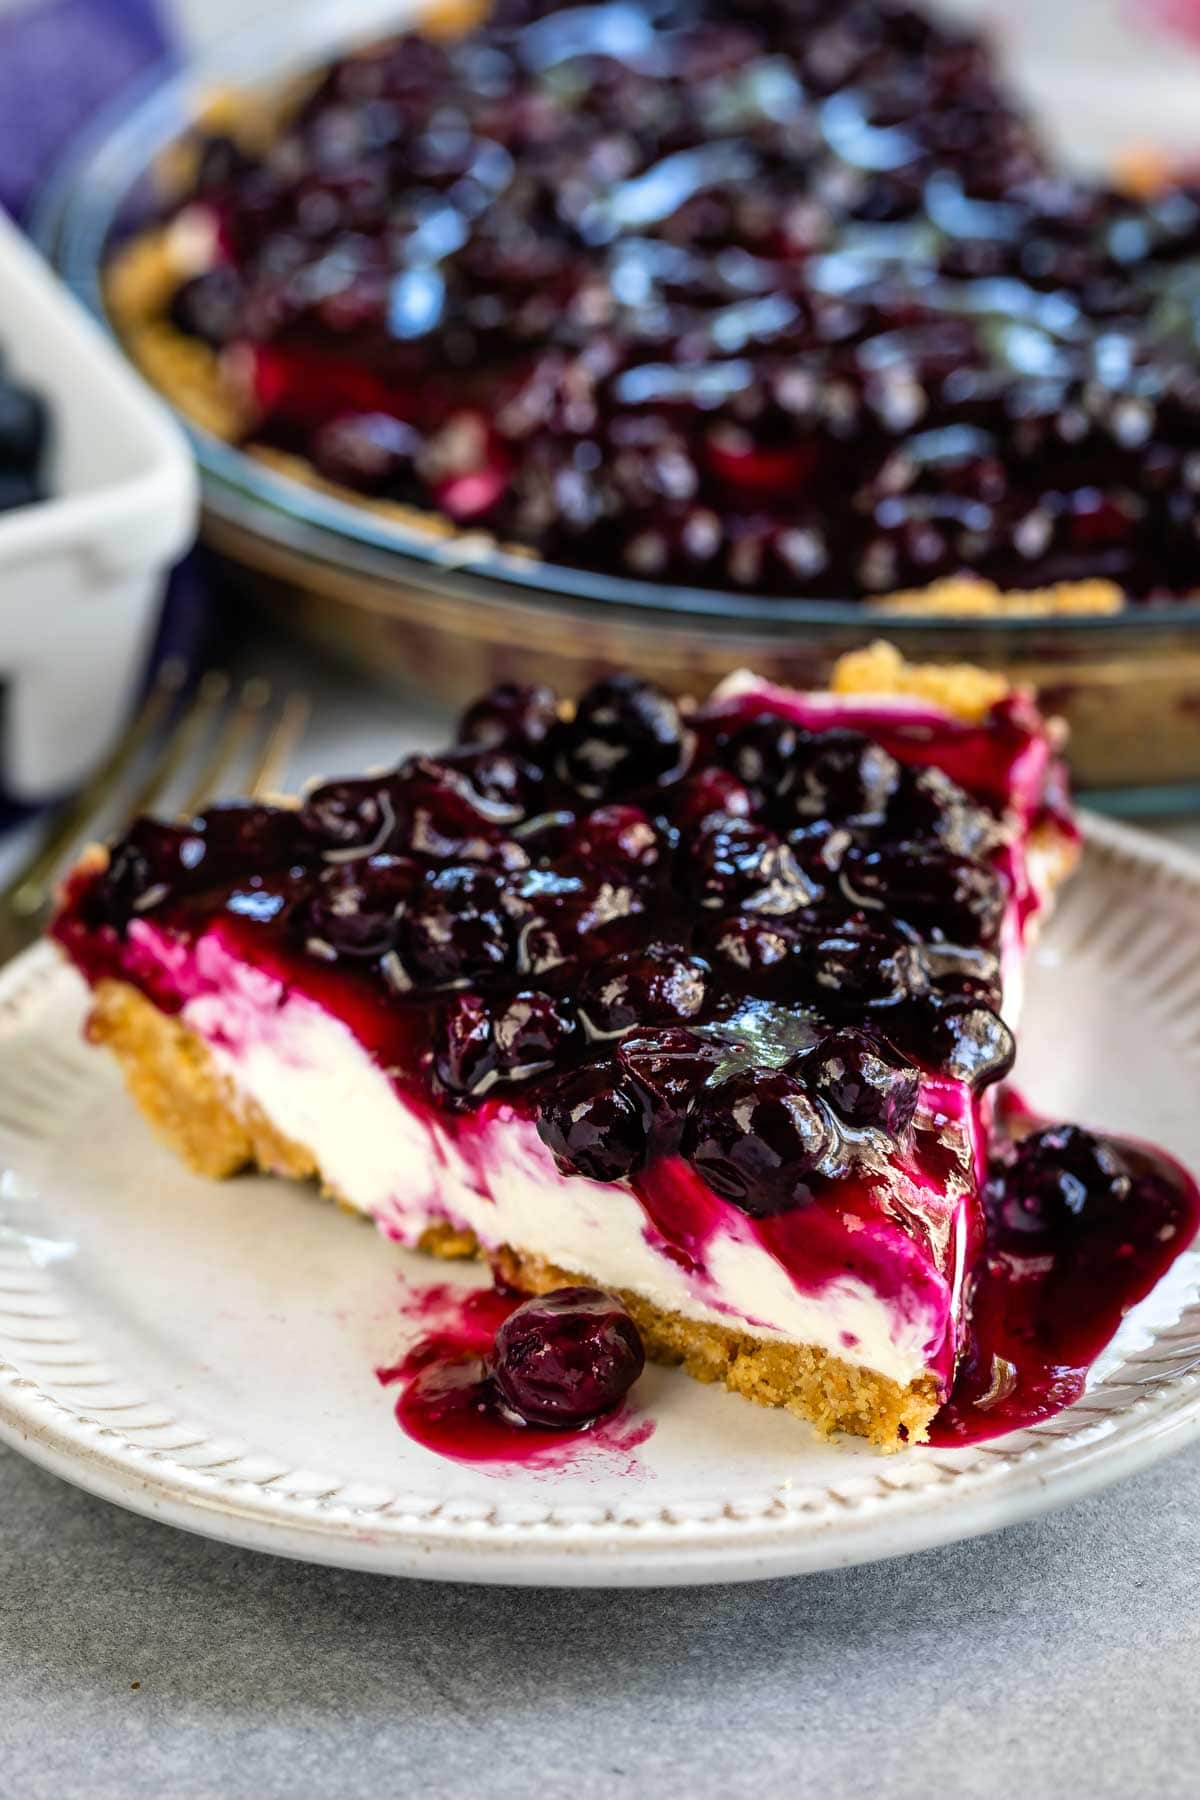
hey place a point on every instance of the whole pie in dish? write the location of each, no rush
(779, 298)
(702, 1003)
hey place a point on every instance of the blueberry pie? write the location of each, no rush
(780, 297)
(701, 1003)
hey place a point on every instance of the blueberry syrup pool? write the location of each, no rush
(783, 298)
(1079, 1228)
(499, 1378)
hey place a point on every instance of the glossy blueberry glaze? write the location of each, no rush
(787, 298)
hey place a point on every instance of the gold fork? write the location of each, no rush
(215, 730)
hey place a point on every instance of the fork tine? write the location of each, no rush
(210, 696)
(281, 742)
(28, 891)
(228, 746)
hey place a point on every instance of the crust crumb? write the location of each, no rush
(802, 1379)
(961, 689)
(965, 596)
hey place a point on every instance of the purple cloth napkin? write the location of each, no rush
(61, 60)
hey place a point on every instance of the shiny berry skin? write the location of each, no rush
(567, 922)
(850, 967)
(762, 753)
(592, 1124)
(965, 971)
(248, 836)
(464, 1054)
(757, 1139)
(492, 782)
(531, 1033)
(455, 929)
(709, 791)
(754, 953)
(357, 816)
(937, 893)
(668, 1068)
(626, 734)
(620, 838)
(963, 1039)
(1056, 1181)
(513, 716)
(739, 863)
(657, 985)
(864, 1081)
(356, 909)
(369, 451)
(147, 866)
(565, 1358)
(928, 806)
(841, 775)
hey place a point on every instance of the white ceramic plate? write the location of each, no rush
(205, 1353)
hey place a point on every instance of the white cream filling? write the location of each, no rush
(316, 1084)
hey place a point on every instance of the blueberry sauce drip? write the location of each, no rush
(561, 913)
(1078, 1229)
(788, 298)
(498, 1378)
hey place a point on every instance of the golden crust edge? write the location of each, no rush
(191, 1106)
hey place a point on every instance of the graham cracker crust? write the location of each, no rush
(193, 1108)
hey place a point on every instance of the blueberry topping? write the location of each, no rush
(356, 909)
(738, 862)
(758, 1139)
(593, 1125)
(844, 776)
(863, 1080)
(667, 1068)
(964, 1040)
(454, 930)
(620, 838)
(657, 985)
(597, 314)
(853, 966)
(511, 717)
(566, 1357)
(247, 836)
(762, 753)
(358, 817)
(709, 792)
(1056, 1181)
(369, 451)
(759, 954)
(464, 1051)
(531, 1033)
(626, 735)
(145, 869)
(927, 887)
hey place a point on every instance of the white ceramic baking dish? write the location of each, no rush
(81, 573)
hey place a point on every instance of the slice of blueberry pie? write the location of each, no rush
(702, 1003)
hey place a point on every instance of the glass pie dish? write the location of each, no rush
(409, 598)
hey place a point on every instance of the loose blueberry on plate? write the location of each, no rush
(567, 1357)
